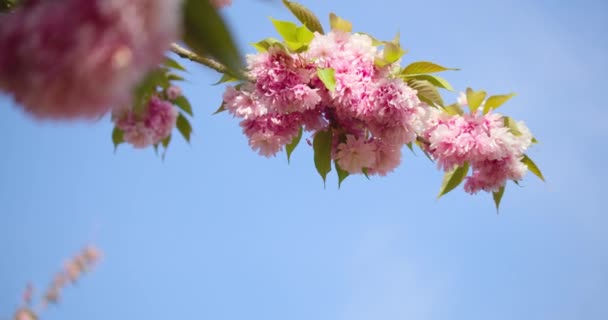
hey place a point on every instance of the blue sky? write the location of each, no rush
(218, 232)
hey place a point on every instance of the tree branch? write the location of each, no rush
(208, 62)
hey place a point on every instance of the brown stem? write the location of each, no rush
(208, 62)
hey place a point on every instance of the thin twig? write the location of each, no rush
(187, 54)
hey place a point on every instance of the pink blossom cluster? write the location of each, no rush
(492, 149)
(66, 59)
(73, 269)
(371, 113)
(152, 124)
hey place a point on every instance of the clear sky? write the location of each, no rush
(218, 232)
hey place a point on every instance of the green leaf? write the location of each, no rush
(322, 148)
(117, 137)
(342, 174)
(184, 127)
(183, 104)
(327, 76)
(174, 77)
(264, 45)
(147, 87)
(225, 78)
(494, 102)
(165, 142)
(171, 63)
(392, 52)
(305, 16)
(206, 33)
(365, 172)
(453, 178)
(304, 35)
(426, 92)
(454, 109)
(532, 167)
(375, 42)
(411, 147)
(422, 67)
(339, 24)
(498, 196)
(287, 30)
(437, 81)
(475, 99)
(293, 144)
(512, 126)
(222, 108)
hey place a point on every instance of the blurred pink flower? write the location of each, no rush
(68, 59)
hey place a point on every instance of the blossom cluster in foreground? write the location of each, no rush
(371, 114)
(493, 151)
(361, 107)
(67, 59)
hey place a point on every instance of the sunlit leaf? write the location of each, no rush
(475, 98)
(183, 104)
(322, 149)
(288, 30)
(422, 67)
(339, 24)
(532, 167)
(454, 109)
(264, 45)
(427, 92)
(327, 76)
(184, 127)
(293, 144)
(437, 81)
(496, 101)
(392, 52)
(512, 126)
(453, 178)
(305, 16)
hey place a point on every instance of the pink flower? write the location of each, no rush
(68, 59)
(268, 134)
(281, 81)
(493, 150)
(490, 175)
(24, 314)
(150, 127)
(388, 157)
(355, 154)
(174, 92)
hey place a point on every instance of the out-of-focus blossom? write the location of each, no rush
(149, 126)
(68, 59)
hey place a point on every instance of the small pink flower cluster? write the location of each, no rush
(72, 271)
(68, 59)
(152, 124)
(483, 141)
(371, 113)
